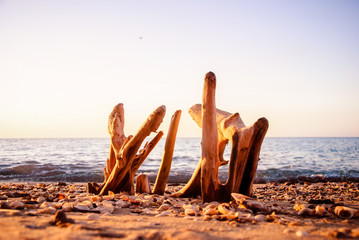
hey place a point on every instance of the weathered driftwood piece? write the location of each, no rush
(219, 127)
(142, 184)
(124, 161)
(210, 185)
(116, 124)
(165, 167)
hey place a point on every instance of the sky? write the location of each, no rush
(65, 64)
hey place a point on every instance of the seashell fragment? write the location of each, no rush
(245, 217)
(145, 203)
(260, 218)
(47, 210)
(256, 206)
(67, 207)
(95, 199)
(41, 199)
(85, 203)
(190, 212)
(211, 212)
(230, 216)
(320, 210)
(355, 232)
(187, 206)
(276, 208)
(302, 234)
(306, 212)
(177, 205)
(122, 204)
(137, 201)
(207, 218)
(346, 212)
(299, 206)
(165, 214)
(164, 207)
(47, 204)
(93, 216)
(17, 205)
(224, 208)
(106, 207)
(210, 206)
(287, 231)
(2, 197)
(239, 197)
(83, 208)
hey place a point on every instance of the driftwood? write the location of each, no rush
(219, 128)
(142, 184)
(123, 161)
(165, 167)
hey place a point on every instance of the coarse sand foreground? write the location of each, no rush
(276, 211)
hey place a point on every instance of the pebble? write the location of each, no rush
(287, 231)
(106, 214)
(301, 233)
(237, 212)
(121, 203)
(14, 213)
(41, 199)
(207, 218)
(164, 207)
(4, 205)
(47, 210)
(60, 219)
(106, 207)
(67, 207)
(165, 214)
(211, 212)
(260, 218)
(306, 212)
(355, 232)
(93, 216)
(17, 205)
(82, 208)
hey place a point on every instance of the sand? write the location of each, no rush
(28, 212)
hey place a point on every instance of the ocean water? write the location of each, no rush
(83, 160)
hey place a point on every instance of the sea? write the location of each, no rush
(83, 160)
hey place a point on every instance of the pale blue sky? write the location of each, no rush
(65, 64)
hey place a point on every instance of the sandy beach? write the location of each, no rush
(276, 211)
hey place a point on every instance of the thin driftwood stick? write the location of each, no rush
(165, 167)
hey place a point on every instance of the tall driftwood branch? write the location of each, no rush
(165, 167)
(210, 160)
